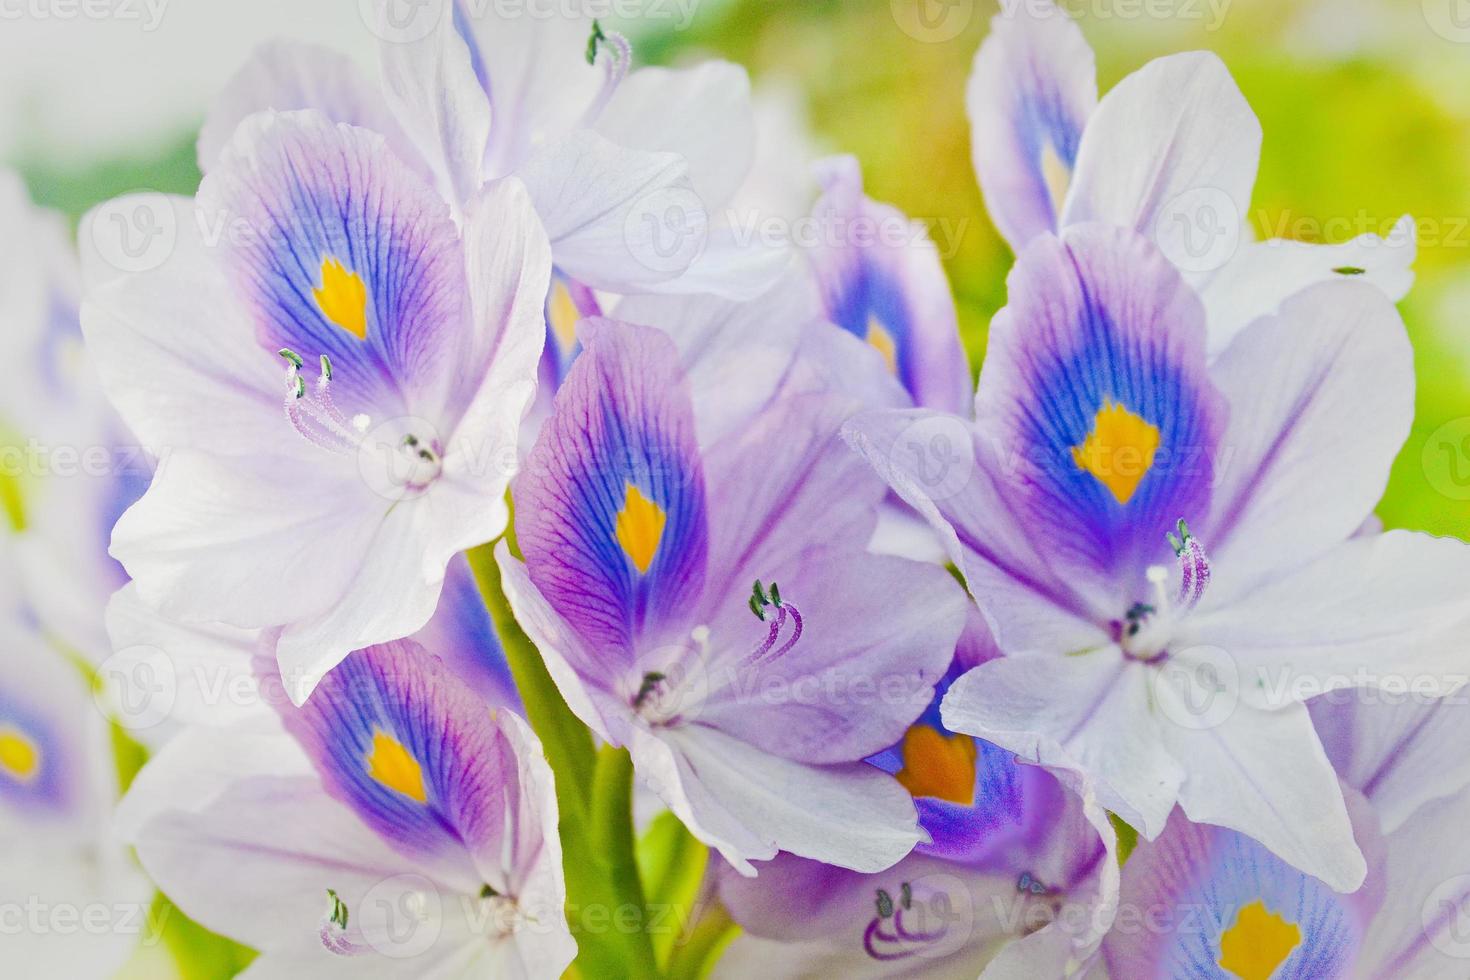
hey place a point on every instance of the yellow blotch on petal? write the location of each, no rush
(882, 341)
(640, 528)
(1258, 942)
(342, 297)
(938, 765)
(562, 315)
(1118, 451)
(395, 767)
(20, 758)
(1057, 177)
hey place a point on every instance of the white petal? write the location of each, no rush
(1172, 152)
(250, 542)
(618, 219)
(166, 673)
(1386, 612)
(431, 87)
(1321, 399)
(286, 75)
(702, 113)
(749, 804)
(1264, 773)
(1264, 274)
(174, 348)
(1088, 713)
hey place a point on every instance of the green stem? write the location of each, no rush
(612, 839)
(696, 951)
(567, 742)
(594, 800)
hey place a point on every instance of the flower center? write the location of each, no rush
(497, 915)
(407, 459)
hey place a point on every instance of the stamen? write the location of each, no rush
(316, 418)
(620, 57)
(334, 934)
(887, 938)
(1194, 566)
(761, 600)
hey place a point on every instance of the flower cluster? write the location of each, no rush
(504, 568)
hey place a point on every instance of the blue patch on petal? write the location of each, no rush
(610, 513)
(1240, 873)
(873, 308)
(341, 250)
(407, 746)
(1096, 372)
(34, 772)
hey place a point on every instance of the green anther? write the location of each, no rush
(326, 368)
(775, 595)
(488, 892)
(907, 896)
(1349, 270)
(1178, 543)
(758, 609)
(760, 594)
(885, 904)
(300, 386)
(593, 41)
(410, 440)
(291, 356)
(339, 910)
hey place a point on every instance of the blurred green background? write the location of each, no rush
(1365, 107)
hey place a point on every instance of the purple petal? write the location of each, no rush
(610, 513)
(340, 250)
(1096, 385)
(882, 281)
(1030, 94)
(405, 744)
(1186, 890)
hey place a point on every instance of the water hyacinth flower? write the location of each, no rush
(710, 607)
(1408, 789)
(627, 168)
(1171, 151)
(881, 280)
(1203, 901)
(337, 382)
(1019, 869)
(71, 467)
(1148, 536)
(397, 827)
(75, 904)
